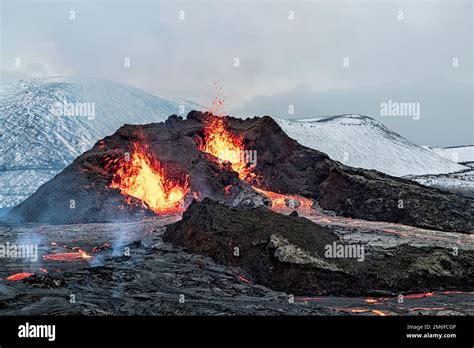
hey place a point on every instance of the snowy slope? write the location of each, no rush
(360, 141)
(36, 141)
(460, 154)
(461, 183)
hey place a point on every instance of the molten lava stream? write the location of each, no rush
(80, 255)
(224, 145)
(280, 202)
(426, 294)
(141, 178)
(19, 276)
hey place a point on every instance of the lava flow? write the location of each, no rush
(80, 255)
(19, 276)
(282, 202)
(147, 180)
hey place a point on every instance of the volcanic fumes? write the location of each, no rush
(139, 176)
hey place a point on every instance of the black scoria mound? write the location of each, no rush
(283, 165)
(288, 253)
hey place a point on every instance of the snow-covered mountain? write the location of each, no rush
(461, 183)
(361, 141)
(460, 154)
(46, 123)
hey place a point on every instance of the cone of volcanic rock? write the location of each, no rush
(83, 192)
(292, 254)
(285, 166)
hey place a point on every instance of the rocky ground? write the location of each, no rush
(297, 255)
(157, 278)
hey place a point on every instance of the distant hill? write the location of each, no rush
(37, 140)
(361, 141)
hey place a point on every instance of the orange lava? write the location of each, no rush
(19, 276)
(80, 255)
(455, 292)
(371, 300)
(379, 313)
(225, 146)
(360, 310)
(427, 294)
(222, 143)
(279, 200)
(245, 280)
(147, 180)
(307, 299)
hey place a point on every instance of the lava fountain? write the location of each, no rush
(141, 177)
(222, 143)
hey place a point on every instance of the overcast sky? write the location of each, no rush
(403, 56)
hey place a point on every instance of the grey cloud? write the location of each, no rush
(445, 118)
(184, 58)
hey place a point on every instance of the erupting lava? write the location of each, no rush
(220, 142)
(147, 180)
(225, 146)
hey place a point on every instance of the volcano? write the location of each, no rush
(208, 156)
